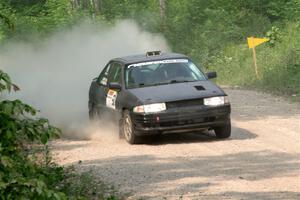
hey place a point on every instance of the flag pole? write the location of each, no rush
(254, 58)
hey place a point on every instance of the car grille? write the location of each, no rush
(184, 103)
(173, 120)
(187, 122)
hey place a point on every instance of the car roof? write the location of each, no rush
(144, 58)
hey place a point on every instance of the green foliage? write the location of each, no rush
(201, 28)
(34, 19)
(7, 21)
(274, 36)
(25, 171)
(19, 177)
(198, 28)
(279, 65)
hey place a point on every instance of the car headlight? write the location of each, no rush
(216, 101)
(150, 108)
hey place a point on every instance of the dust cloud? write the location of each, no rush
(54, 75)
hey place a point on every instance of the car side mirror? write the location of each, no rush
(114, 86)
(211, 75)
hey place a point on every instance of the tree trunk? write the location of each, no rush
(97, 6)
(162, 7)
(75, 4)
(85, 4)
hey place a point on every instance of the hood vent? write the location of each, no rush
(199, 87)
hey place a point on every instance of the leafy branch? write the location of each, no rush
(7, 21)
(20, 177)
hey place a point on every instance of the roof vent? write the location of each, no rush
(153, 53)
(199, 87)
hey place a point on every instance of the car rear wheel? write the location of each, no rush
(223, 131)
(128, 128)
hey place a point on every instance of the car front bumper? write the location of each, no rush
(180, 119)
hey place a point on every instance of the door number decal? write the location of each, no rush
(111, 99)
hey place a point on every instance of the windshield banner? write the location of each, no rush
(159, 62)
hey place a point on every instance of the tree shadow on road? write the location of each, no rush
(161, 173)
(273, 195)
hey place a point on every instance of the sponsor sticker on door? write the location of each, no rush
(111, 99)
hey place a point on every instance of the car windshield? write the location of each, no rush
(162, 72)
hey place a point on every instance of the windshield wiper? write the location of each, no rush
(181, 81)
(165, 83)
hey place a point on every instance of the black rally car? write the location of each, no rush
(157, 93)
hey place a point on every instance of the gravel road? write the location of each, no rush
(260, 161)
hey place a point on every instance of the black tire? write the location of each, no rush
(223, 131)
(127, 129)
(93, 113)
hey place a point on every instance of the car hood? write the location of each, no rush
(176, 91)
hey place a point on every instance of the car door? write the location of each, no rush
(101, 88)
(113, 96)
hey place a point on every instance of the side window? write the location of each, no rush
(103, 78)
(115, 74)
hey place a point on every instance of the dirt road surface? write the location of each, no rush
(260, 161)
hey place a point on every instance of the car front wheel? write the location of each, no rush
(223, 131)
(128, 128)
(93, 113)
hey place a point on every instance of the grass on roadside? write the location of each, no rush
(279, 65)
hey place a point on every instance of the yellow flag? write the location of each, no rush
(253, 42)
